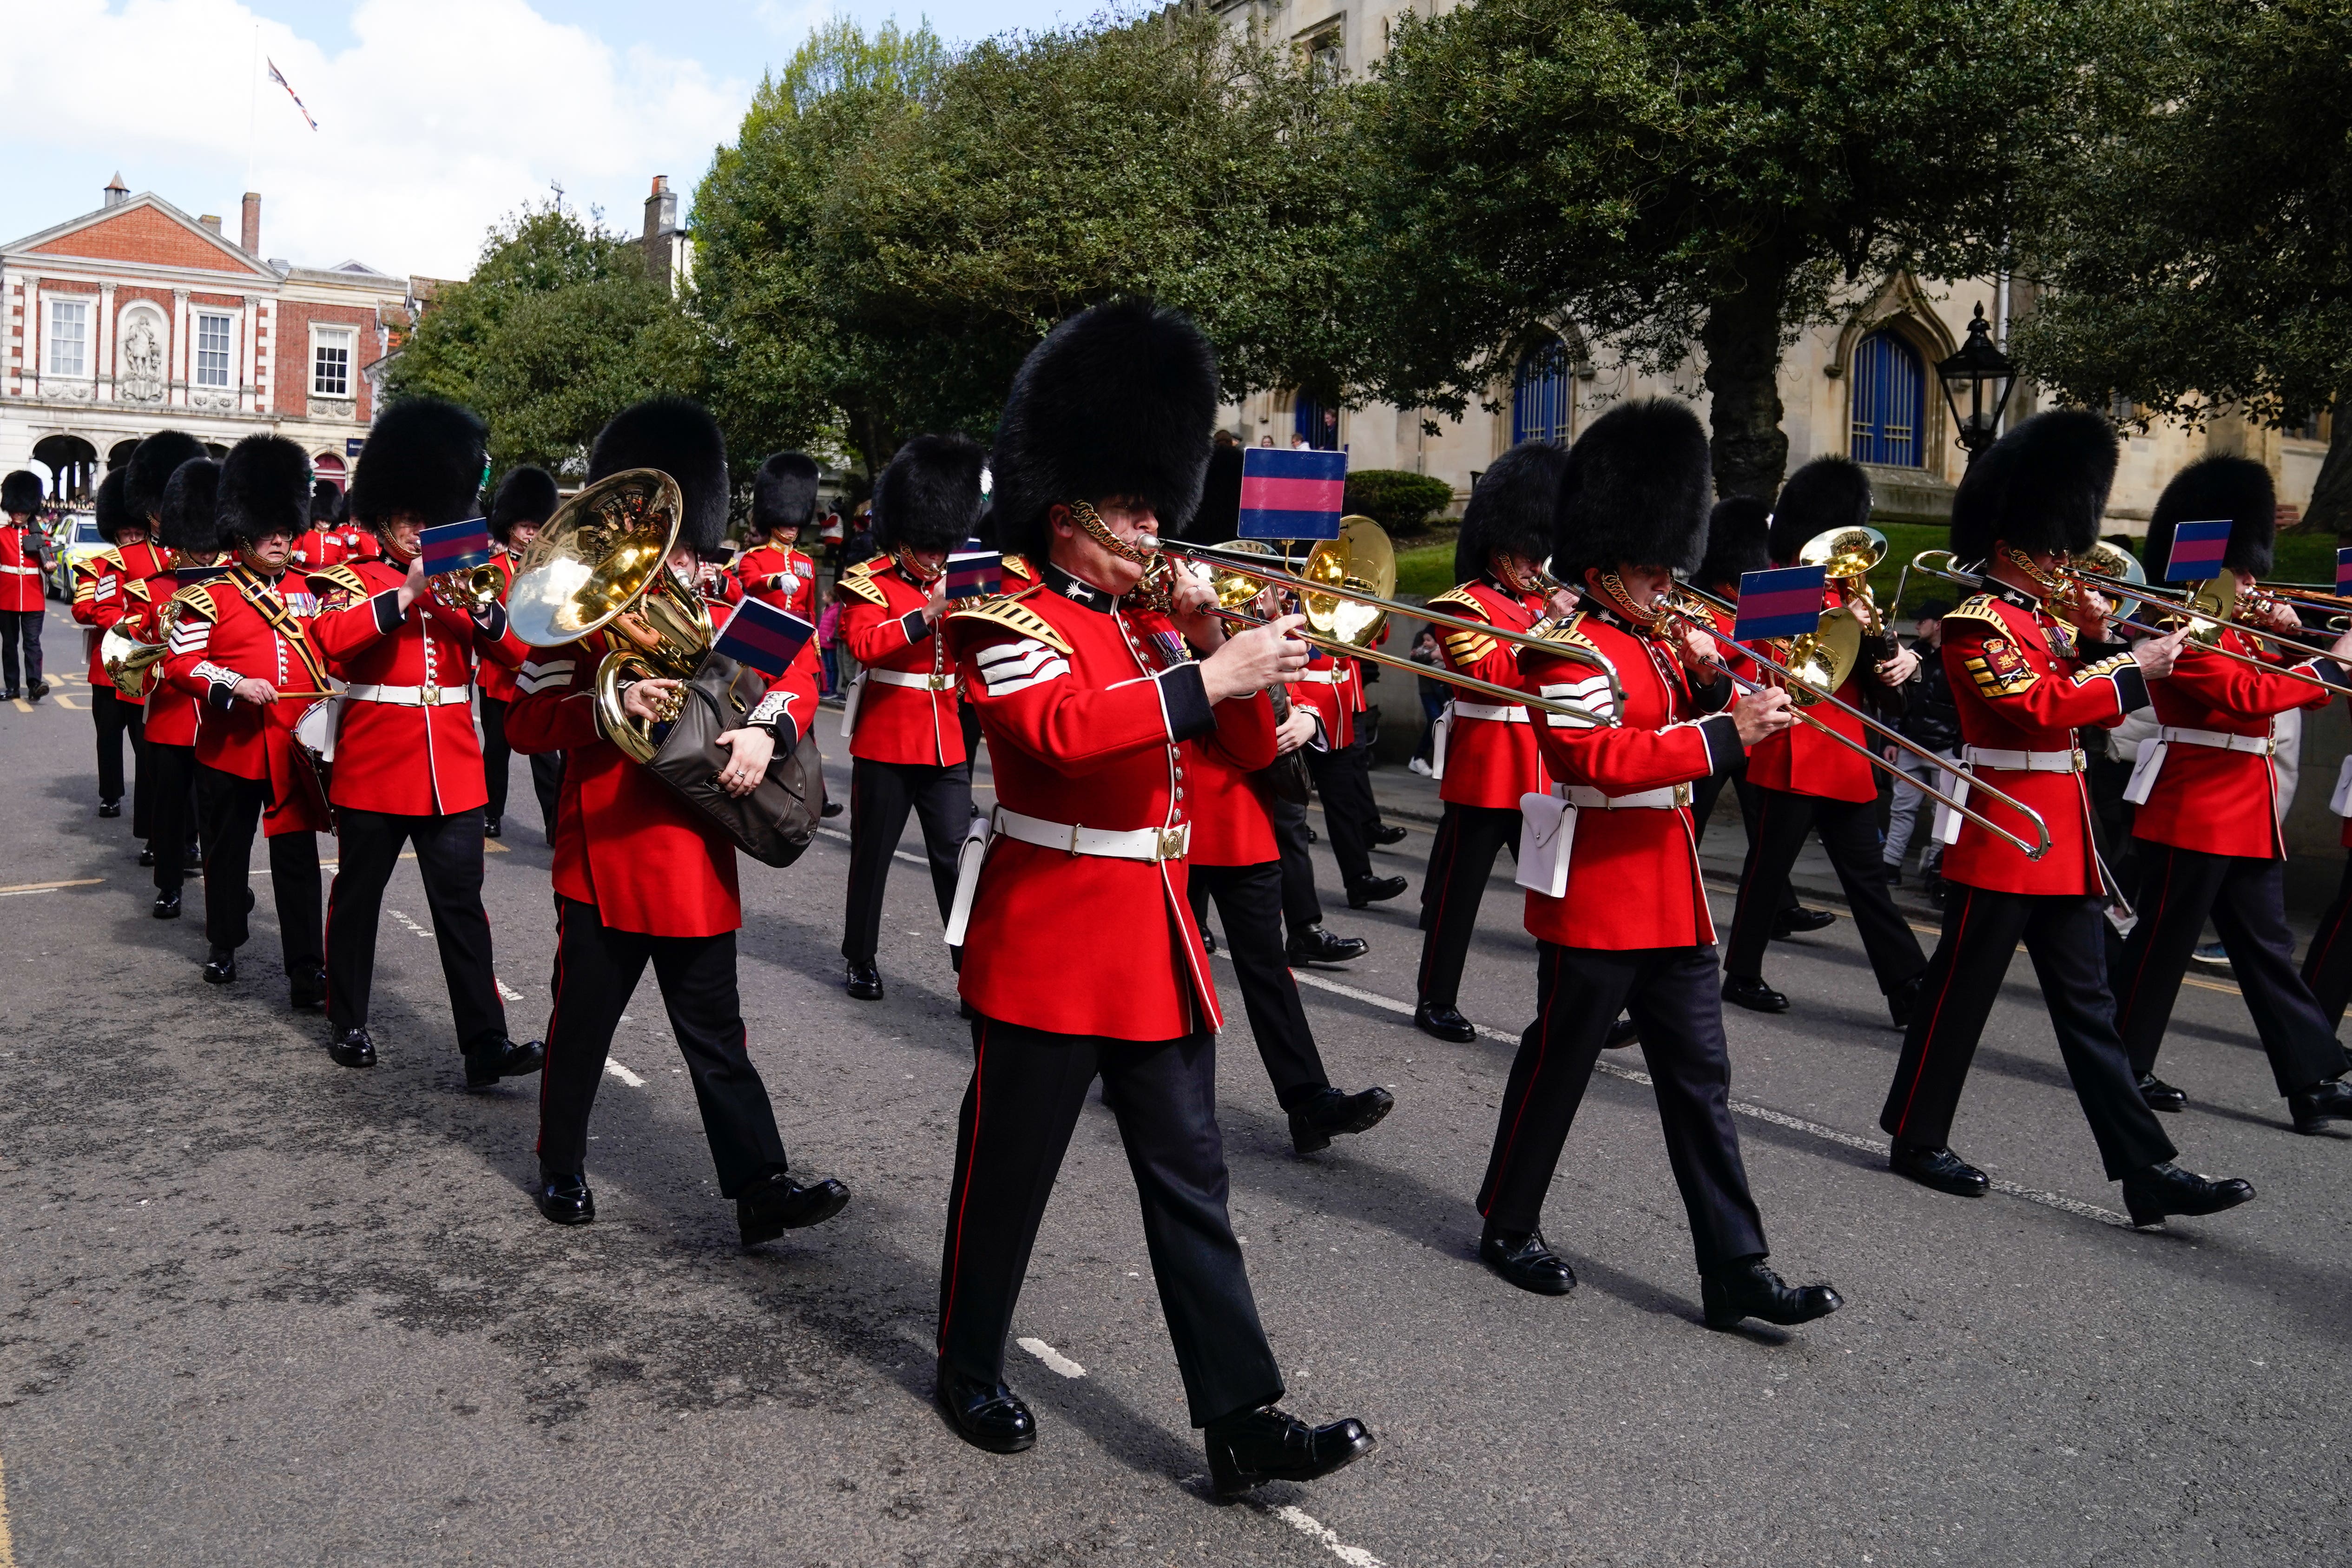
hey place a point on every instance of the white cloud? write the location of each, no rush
(441, 118)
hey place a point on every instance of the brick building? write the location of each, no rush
(137, 317)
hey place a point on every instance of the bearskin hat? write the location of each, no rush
(22, 492)
(526, 495)
(152, 463)
(2040, 487)
(2212, 487)
(325, 498)
(1219, 516)
(1511, 509)
(1738, 531)
(424, 458)
(190, 520)
(929, 498)
(679, 436)
(1826, 493)
(783, 495)
(1118, 400)
(1636, 491)
(113, 511)
(265, 487)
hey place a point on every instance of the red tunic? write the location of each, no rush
(98, 601)
(1801, 760)
(315, 550)
(1324, 688)
(784, 578)
(2207, 798)
(1633, 878)
(883, 626)
(395, 753)
(20, 567)
(1490, 760)
(244, 627)
(496, 677)
(2018, 693)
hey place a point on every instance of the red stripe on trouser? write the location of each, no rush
(554, 1012)
(1543, 1033)
(972, 1159)
(1928, 1040)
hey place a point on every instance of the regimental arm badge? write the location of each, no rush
(1999, 670)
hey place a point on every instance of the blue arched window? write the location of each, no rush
(1543, 394)
(1890, 402)
(1316, 420)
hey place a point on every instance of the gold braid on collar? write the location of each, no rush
(1087, 518)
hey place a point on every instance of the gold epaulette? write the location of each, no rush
(861, 585)
(136, 588)
(339, 576)
(1016, 567)
(1464, 598)
(198, 598)
(1980, 608)
(865, 568)
(1009, 612)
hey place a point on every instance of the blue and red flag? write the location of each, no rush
(974, 571)
(764, 637)
(2197, 550)
(1784, 603)
(188, 576)
(2344, 571)
(1296, 494)
(455, 546)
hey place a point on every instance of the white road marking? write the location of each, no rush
(26, 892)
(1307, 1525)
(52, 887)
(8, 1543)
(507, 991)
(1055, 1360)
(414, 930)
(615, 1069)
(895, 854)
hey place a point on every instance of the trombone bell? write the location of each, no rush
(1362, 563)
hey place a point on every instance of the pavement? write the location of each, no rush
(257, 1308)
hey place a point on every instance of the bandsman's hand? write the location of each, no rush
(1254, 659)
(936, 604)
(1191, 597)
(753, 749)
(650, 699)
(2342, 651)
(1560, 603)
(2157, 655)
(254, 690)
(1698, 647)
(413, 588)
(1759, 714)
(2279, 615)
(1901, 667)
(1294, 731)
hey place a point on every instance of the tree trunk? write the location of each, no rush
(2331, 495)
(1742, 338)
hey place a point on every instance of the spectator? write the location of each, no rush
(828, 633)
(1433, 702)
(1929, 720)
(861, 537)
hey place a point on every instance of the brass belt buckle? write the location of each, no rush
(429, 697)
(1171, 843)
(2078, 760)
(1682, 794)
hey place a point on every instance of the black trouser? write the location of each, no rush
(1348, 814)
(2247, 898)
(1027, 1089)
(449, 859)
(1249, 903)
(880, 796)
(1301, 909)
(173, 814)
(596, 970)
(1849, 831)
(2327, 966)
(2061, 932)
(113, 719)
(232, 808)
(1460, 860)
(20, 629)
(1671, 994)
(496, 755)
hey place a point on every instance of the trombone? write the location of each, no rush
(1830, 659)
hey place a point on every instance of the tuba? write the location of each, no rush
(1847, 556)
(129, 663)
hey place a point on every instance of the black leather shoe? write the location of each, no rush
(2161, 1095)
(1315, 946)
(1388, 833)
(1750, 990)
(147, 854)
(109, 809)
(1749, 1289)
(1527, 1262)
(1938, 1168)
(493, 826)
(1373, 889)
(1269, 1444)
(353, 1048)
(505, 1059)
(221, 968)
(564, 1198)
(777, 1201)
(1313, 837)
(1623, 1033)
(832, 809)
(2155, 1191)
(986, 1415)
(167, 904)
(1314, 1124)
(865, 983)
(1445, 1023)
(40, 689)
(1208, 942)
(2329, 1099)
(1904, 998)
(1798, 922)
(11, 695)
(308, 992)
(193, 865)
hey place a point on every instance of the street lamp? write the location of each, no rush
(1982, 375)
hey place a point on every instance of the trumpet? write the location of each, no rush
(469, 590)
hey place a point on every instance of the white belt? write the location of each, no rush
(2024, 762)
(1496, 711)
(2149, 765)
(1154, 844)
(2259, 745)
(1666, 798)
(908, 677)
(1319, 676)
(412, 696)
(27, 571)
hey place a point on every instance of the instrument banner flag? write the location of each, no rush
(975, 571)
(2197, 550)
(1786, 603)
(1297, 494)
(764, 637)
(456, 546)
(190, 575)
(2344, 571)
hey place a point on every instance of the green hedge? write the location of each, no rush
(1399, 502)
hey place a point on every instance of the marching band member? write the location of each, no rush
(319, 546)
(147, 478)
(1630, 927)
(1333, 687)
(1806, 784)
(241, 646)
(1487, 749)
(2024, 683)
(101, 597)
(525, 499)
(1084, 959)
(2208, 820)
(906, 740)
(22, 605)
(408, 767)
(188, 527)
(642, 877)
(783, 498)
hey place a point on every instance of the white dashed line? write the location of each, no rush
(615, 1069)
(413, 929)
(1307, 1525)
(1055, 1360)
(507, 991)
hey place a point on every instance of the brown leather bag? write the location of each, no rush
(774, 822)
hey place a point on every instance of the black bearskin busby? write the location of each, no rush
(1219, 516)
(526, 495)
(1511, 509)
(679, 436)
(2041, 486)
(265, 487)
(113, 511)
(2208, 490)
(152, 463)
(1826, 493)
(21, 492)
(1119, 400)
(1738, 531)
(325, 501)
(929, 498)
(423, 459)
(783, 495)
(1636, 491)
(190, 520)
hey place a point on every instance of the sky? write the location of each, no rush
(437, 118)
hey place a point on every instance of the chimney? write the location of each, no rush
(661, 209)
(117, 193)
(662, 242)
(211, 221)
(248, 230)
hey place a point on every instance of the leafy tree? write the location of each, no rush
(1660, 171)
(1398, 501)
(2201, 256)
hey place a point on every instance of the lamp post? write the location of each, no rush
(1980, 377)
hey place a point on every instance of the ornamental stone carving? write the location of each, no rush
(344, 409)
(142, 377)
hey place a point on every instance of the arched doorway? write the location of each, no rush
(327, 466)
(1890, 402)
(1543, 394)
(120, 454)
(1316, 421)
(72, 463)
